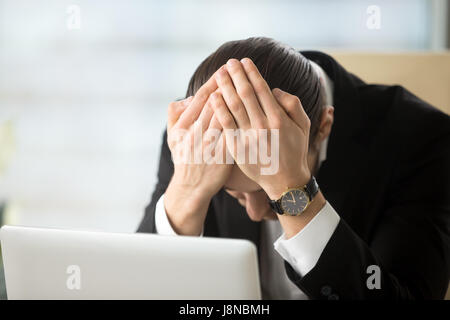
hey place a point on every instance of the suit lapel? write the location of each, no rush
(340, 175)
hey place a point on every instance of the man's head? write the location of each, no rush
(282, 67)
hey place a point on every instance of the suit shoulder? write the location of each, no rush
(407, 113)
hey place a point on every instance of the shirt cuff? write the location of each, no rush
(303, 250)
(162, 224)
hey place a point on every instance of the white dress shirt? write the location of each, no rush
(302, 251)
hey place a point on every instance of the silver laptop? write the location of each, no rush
(62, 264)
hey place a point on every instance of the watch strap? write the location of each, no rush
(312, 188)
(275, 205)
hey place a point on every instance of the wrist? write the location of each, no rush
(194, 186)
(292, 225)
(277, 186)
(186, 209)
(186, 199)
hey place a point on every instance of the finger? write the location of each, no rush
(206, 115)
(198, 102)
(293, 107)
(222, 112)
(215, 123)
(261, 88)
(219, 143)
(232, 99)
(225, 121)
(175, 110)
(245, 91)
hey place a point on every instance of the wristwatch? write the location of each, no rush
(295, 200)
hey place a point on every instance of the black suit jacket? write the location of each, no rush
(387, 174)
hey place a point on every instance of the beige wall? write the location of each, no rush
(427, 75)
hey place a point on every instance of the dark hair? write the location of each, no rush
(280, 65)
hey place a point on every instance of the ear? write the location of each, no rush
(326, 123)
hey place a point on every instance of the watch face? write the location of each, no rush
(294, 202)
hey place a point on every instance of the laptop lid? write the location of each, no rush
(65, 264)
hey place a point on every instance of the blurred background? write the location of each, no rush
(84, 87)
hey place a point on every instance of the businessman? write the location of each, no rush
(359, 205)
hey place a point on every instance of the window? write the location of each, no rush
(88, 104)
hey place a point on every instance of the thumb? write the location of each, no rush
(292, 106)
(175, 110)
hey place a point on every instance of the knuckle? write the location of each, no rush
(172, 107)
(245, 91)
(216, 105)
(215, 96)
(289, 107)
(276, 122)
(202, 95)
(224, 78)
(260, 85)
(292, 101)
(259, 124)
(227, 122)
(235, 105)
(215, 99)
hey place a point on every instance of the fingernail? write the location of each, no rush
(221, 71)
(187, 100)
(231, 62)
(245, 60)
(276, 92)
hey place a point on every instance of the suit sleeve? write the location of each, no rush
(165, 172)
(410, 244)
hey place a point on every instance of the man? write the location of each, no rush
(380, 156)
